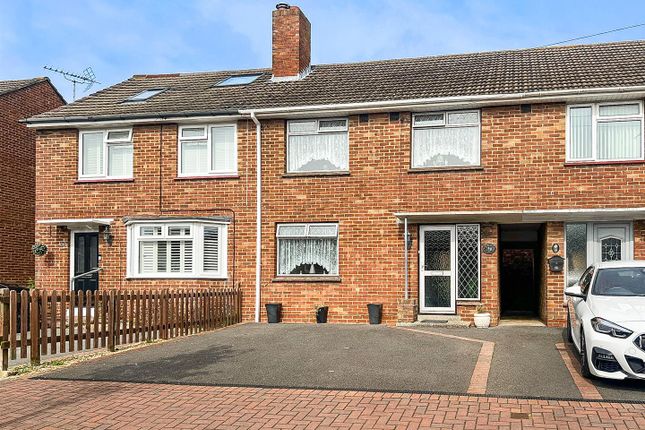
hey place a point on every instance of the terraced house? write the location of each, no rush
(430, 185)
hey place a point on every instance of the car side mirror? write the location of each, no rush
(574, 291)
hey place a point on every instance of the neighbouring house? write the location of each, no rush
(20, 99)
(299, 182)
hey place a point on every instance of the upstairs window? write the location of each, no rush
(177, 250)
(446, 139)
(605, 132)
(207, 150)
(317, 145)
(105, 154)
(307, 249)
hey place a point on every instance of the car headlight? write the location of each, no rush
(610, 328)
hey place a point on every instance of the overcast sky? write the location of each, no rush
(121, 38)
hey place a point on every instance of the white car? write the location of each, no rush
(606, 319)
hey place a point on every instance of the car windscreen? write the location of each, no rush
(625, 281)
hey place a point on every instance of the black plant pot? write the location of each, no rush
(375, 311)
(321, 314)
(274, 312)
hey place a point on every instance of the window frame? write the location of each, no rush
(479, 263)
(136, 98)
(306, 236)
(134, 238)
(209, 149)
(105, 148)
(445, 124)
(595, 120)
(289, 133)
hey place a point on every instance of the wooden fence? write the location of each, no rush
(40, 322)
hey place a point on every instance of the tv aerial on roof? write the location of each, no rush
(87, 77)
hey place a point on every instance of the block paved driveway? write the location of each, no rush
(122, 405)
(504, 361)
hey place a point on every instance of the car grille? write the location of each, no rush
(640, 342)
(604, 361)
(636, 364)
(608, 366)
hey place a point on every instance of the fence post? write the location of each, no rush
(4, 334)
(111, 321)
(35, 328)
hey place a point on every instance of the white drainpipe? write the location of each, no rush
(405, 253)
(258, 214)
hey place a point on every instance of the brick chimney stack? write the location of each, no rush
(291, 42)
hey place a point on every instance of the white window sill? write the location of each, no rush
(444, 169)
(573, 163)
(208, 176)
(323, 173)
(103, 179)
(308, 278)
(169, 277)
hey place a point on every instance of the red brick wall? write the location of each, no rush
(17, 183)
(552, 311)
(523, 167)
(232, 197)
(291, 40)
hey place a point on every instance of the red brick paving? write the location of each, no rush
(82, 405)
(587, 390)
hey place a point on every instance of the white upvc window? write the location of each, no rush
(446, 139)
(307, 249)
(605, 131)
(177, 249)
(105, 154)
(207, 150)
(317, 145)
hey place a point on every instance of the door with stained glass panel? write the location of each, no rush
(437, 269)
(612, 242)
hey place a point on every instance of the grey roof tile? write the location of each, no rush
(11, 86)
(500, 72)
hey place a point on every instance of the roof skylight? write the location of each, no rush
(145, 95)
(238, 80)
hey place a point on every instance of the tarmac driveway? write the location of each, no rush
(525, 361)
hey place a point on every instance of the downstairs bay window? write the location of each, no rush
(307, 249)
(605, 132)
(191, 249)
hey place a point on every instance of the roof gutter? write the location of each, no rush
(572, 95)
(116, 120)
(428, 103)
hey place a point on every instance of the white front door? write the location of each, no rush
(437, 260)
(612, 242)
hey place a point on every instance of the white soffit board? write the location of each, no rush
(77, 223)
(524, 216)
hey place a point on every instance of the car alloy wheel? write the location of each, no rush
(584, 359)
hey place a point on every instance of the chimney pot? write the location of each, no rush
(291, 43)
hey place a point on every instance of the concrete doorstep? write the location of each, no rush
(437, 321)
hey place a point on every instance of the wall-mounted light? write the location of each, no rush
(555, 248)
(107, 235)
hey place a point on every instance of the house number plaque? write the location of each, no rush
(489, 248)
